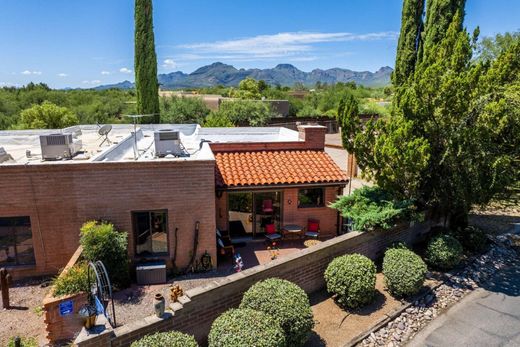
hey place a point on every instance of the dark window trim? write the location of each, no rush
(134, 235)
(17, 265)
(322, 205)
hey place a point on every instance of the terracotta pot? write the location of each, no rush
(159, 305)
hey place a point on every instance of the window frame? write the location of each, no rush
(135, 235)
(311, 205)
(15, 245)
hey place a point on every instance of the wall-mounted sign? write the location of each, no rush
(66, 308)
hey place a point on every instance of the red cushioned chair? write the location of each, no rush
(270, 232)
(313, 228)
(267, 206)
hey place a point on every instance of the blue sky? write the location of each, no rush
(84, 43)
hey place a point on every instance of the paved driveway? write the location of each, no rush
(490, 316)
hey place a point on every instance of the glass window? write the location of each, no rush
(16, 245)
(151, 232)
(311, 197)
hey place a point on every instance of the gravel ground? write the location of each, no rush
(137, 301)
(25, 318)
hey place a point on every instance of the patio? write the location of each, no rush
(255, 252)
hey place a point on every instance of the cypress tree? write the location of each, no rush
(439, 16)
(145, 62)
(411, 27)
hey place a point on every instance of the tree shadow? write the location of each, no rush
(505, 281)
(315, 340)
(131, 295)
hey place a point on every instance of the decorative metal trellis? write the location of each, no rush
(101, 291)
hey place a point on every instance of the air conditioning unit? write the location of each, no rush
(168, 141)
(59, 146)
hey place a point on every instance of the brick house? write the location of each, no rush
(213, 177)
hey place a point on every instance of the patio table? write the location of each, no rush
(292, 229)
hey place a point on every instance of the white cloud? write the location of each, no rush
(92, 82)
(62, 75)
(169, 64)
(278, 45)
(28, 72)
(125, 70)
(105, 72)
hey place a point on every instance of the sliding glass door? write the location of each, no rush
(249, 212)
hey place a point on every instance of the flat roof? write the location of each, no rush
(23, 146)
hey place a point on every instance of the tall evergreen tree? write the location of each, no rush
(452, 141)
(439, 16)
(409, 38)
(145, 62)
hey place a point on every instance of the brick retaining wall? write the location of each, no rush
(200, 306)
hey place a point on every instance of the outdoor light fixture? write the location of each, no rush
(289, 201)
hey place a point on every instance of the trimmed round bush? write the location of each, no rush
(404, 271)
(473, 239)
(287, 303)
(168, 339)
(352, 278)
(444, 252)
(244, 328)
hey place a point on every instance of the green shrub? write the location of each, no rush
(101, 242)
(167, 339)
(245, 327)
(352, 278)
(371, 208)
(74, 281)
(404, 271)
(444, 252)
(287, 303)
(473, 239)
(25, 342)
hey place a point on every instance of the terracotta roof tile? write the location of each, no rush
(237, 169)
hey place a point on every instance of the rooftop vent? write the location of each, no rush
(168, 142)
(59, 146)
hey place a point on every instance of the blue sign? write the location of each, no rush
(66, 308)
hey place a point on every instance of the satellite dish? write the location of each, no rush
(104, 131)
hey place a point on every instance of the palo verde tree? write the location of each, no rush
(145, 61)
(452, 139)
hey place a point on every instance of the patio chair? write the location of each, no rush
(267, 206)
(270, 233)
(225, 247)
(313, 228)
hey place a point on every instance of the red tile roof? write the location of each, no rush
(239, 169)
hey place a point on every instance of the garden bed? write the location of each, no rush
(336, 326)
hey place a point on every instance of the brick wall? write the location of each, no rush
(311, 137)
(59, 198)
(58, 327)
(200, 306)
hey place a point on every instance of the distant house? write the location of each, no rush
(164, 186)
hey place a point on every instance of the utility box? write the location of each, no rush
(151, 273)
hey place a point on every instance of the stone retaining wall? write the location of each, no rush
(200, 306)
